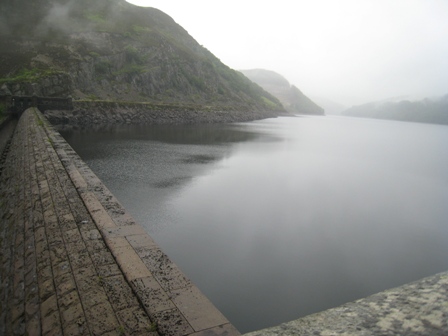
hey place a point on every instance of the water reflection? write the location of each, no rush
(281, 218)
(203, 134)
(200, 159)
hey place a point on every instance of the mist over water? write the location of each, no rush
(280, 218)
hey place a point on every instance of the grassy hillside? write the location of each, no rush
(112, 50)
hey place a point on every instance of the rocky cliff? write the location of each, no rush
(112, 50)
(290, 96)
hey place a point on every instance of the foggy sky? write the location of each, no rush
(348, 51)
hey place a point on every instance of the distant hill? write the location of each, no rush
(112, 50)
(330, 107)
(433, 111)
(290, 96)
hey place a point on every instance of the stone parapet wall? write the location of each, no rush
(416, 309)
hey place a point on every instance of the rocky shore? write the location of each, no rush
(87, 114)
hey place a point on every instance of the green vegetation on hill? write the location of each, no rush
(433, 111)
(112, 50)
(29, 75)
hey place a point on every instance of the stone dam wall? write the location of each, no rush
(74, 262)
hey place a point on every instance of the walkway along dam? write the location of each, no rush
(74, 262)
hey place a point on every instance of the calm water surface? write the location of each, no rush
(280, 218)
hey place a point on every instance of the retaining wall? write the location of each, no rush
(86, 114)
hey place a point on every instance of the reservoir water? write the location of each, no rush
(280, 218)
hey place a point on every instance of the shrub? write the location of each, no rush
(29, 75)
(102, 67)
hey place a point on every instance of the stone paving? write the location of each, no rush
(74, 262)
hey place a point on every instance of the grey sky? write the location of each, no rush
(349, 51)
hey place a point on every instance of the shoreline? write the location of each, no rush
(112, 113)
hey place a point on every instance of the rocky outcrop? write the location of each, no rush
(115, 51)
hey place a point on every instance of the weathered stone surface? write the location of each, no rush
(419, 308)
(171, 322)
(163, 269)
(131, 264)
(199, 311)
(151, 294)
(222, 330)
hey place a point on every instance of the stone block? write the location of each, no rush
(99, 214)
(54, 235)
(151, 294)
(56, 248)
(68, 299)
(101, 319)
(51, 325)
(77, 329)
(49, 306)
(138, 241)
(19, 326)
(171, 322)
(115, 242)
(102, 257)
(75, 247)
(81, 259)
(124, 231)
(222, 330)
(72, 315)
(64, 283)
(71, 236)
(108, 270)
(40, 235)
(33, 326)
(197, 309)
(164, 270)
(134, 320)
(119, 292)
(46, 289)
(32, 306)
(130, 263)
(67, 221)
(96, 295)
(95, 245)
(91, 235)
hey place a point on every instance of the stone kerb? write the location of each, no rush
(167, 295)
